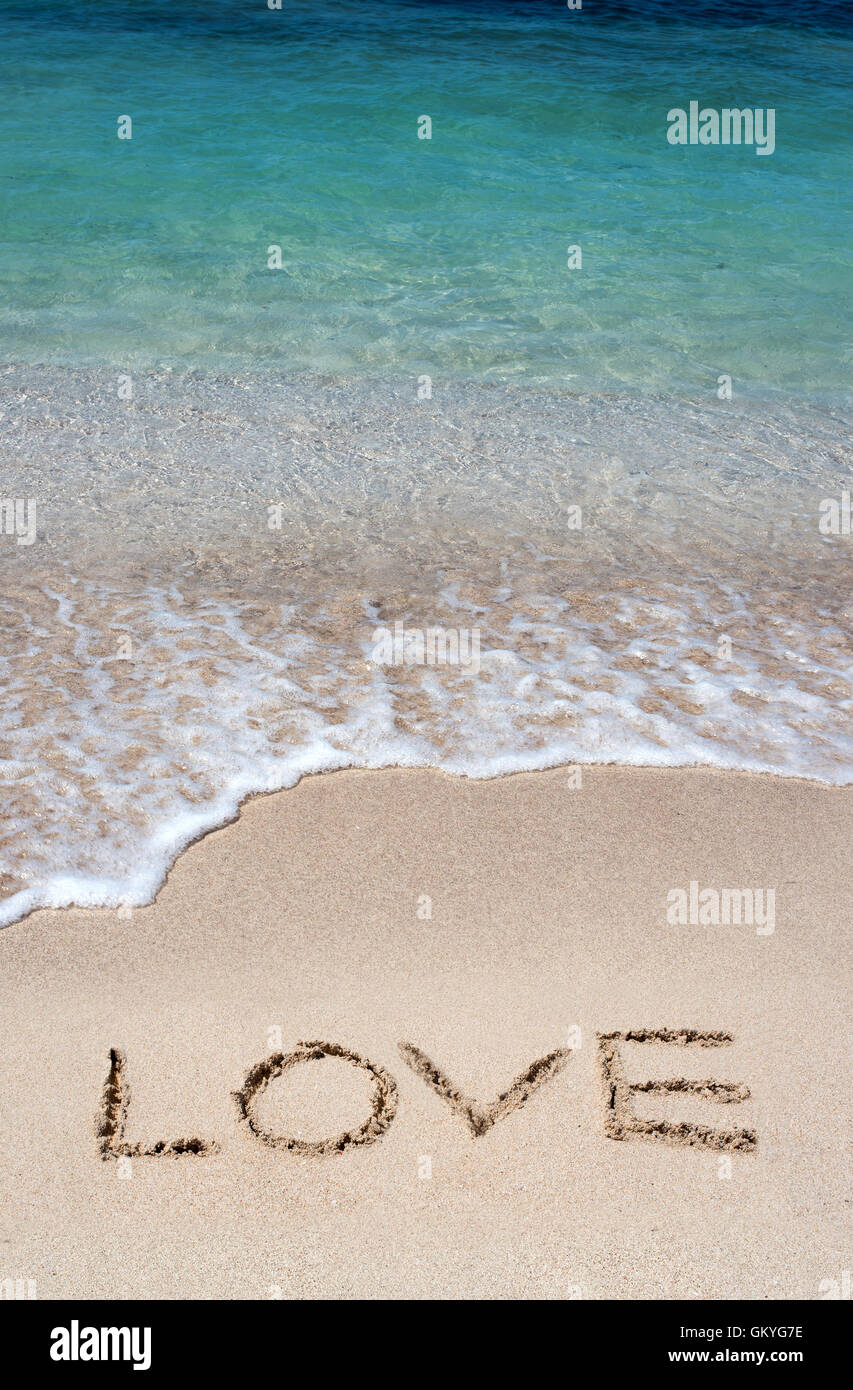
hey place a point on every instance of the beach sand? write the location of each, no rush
(306, 919)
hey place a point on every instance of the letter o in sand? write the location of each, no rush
(383, 1109)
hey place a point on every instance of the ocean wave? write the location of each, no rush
(222, 585)
(133, 723)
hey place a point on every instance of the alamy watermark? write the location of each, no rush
(835, 1289)
(432, 646)
(728, 907)
(18, 518)
(17, 1289)
(836, 516)
(76, 1343)
(728, 126)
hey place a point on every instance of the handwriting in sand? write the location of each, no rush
(620, 1119)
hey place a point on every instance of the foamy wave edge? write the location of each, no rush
(171, 840)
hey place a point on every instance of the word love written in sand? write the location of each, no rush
(620, 1119)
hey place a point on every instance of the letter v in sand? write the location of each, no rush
(480, 1118)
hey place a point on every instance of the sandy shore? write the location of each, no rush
(488, 925)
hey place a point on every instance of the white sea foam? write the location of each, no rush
(119, 763)
(167, 653)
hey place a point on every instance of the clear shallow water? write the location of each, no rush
(167, 650)
(448, 257)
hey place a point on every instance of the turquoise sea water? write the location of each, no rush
(220, 481)
(447, 256)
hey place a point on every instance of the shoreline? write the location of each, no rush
(576, 770)
(647, 579)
